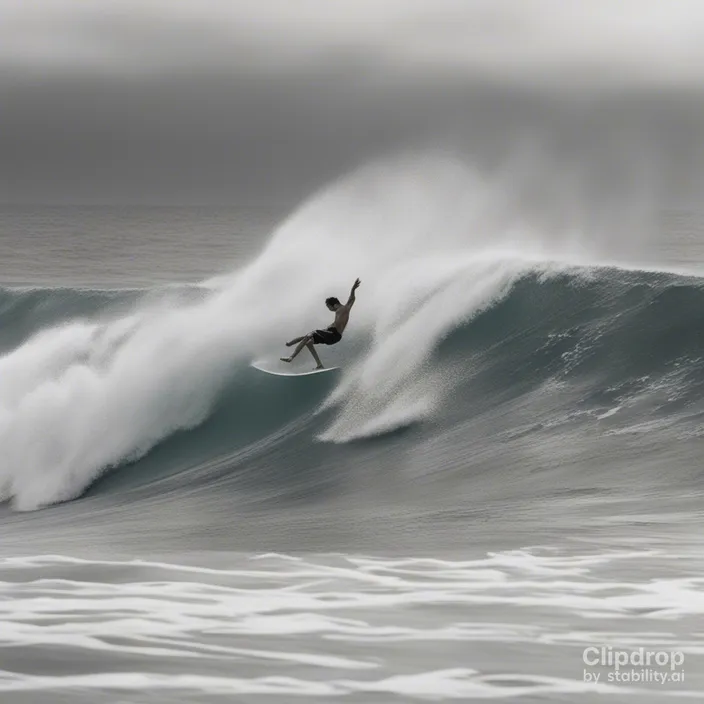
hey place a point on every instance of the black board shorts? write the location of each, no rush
(329, 336)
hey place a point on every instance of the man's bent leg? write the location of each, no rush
(303, 341)
(311, 347)
(295, 341)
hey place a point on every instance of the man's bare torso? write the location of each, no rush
(342, 316)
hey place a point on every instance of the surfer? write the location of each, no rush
(330, 335)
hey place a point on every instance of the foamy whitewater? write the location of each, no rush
(505, 472)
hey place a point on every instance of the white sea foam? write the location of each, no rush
(415, 628)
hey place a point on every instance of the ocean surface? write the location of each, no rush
(506, 473)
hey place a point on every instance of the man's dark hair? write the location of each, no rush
(332, 301)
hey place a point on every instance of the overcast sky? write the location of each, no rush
(263, 100)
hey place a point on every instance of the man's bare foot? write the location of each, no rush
(290, 344)
(320, 366)
(285, 359)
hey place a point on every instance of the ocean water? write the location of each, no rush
(503, 480)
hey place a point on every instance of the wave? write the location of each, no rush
(449, 324)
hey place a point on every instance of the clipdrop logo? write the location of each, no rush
(611, 665)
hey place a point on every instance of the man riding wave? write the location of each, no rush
(330, 335)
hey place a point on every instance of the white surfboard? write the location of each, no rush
(258, 365)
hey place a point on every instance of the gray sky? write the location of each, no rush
(263, 100)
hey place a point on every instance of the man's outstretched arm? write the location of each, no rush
(352, 298)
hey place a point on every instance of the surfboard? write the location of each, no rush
(257, 365)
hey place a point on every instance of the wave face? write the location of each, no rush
(472, 330)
